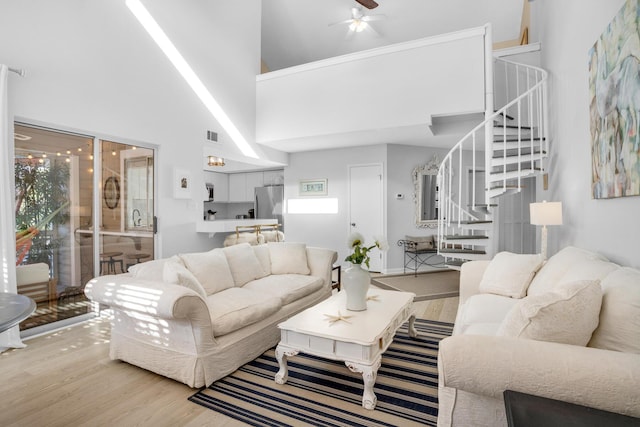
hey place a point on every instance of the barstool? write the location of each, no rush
(108, 258)
(138, 256)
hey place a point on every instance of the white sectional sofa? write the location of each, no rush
(198, 317)
(567, 329)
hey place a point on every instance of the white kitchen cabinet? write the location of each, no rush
(220, 183)
(242, 186)
(238, 187)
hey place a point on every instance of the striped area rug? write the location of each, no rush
(323, 392)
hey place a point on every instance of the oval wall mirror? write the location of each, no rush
(111, 192)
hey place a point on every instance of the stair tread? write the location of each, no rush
(503, 114)
(455, 263)
(500, 138)
(462, 251)
(500, 125)
(483, 205)
(500, 176)
(479, 221)
(507, 187)
(464, 237)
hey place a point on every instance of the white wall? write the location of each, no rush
(402, 159)
(389, 87)
(92, 67)
(332, 230)
(567, 29)
(326, 230)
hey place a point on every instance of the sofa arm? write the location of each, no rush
(157, 299)
(320, 263)
(471, 274)
(488, 365)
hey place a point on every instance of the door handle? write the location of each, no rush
(353, 224)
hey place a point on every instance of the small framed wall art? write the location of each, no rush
(313, 187)
(181, 184)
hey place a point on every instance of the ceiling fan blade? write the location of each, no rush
(346, 21)
(369, 18)
(369, 4)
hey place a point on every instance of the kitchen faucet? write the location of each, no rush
(133, 217)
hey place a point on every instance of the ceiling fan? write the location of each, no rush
(359, 21)
(369, 4)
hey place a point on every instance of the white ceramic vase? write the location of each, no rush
(356, 281)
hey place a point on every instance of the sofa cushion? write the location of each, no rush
(594, 269)
(288, 258)
(287, 287)
(175, 272)
(484, 309)
(619, 327)
(151, 270)
(235, 308)
(211, 270)
(557, 266)
(262, 253)
(422, 242)
(568, 315)
(243, 263)
(509, 274)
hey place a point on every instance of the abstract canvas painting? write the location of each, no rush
(614, 83)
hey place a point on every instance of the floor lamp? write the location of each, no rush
(545, 213)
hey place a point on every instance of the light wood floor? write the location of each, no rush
(66, 378)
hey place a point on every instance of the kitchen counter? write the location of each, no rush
(229, 225)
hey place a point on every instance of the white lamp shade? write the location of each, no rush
(546, 213)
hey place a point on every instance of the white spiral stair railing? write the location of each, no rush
(511, 144)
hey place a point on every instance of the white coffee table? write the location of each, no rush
(358, 340)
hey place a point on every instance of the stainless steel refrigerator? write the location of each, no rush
(269, 201)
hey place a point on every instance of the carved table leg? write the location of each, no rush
(412, 328)
(282, 352)
(369, 373)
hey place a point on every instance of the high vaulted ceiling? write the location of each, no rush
(297, 31)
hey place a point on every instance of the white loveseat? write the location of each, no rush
(571, 333)
(198, 317)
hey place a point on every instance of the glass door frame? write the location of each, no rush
(97, 138)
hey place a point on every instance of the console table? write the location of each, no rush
(414, 258)
(527, 410)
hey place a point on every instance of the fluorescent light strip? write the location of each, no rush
(163, 42)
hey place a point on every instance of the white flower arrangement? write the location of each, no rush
(360, 252)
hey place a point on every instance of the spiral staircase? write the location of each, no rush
(491, 161)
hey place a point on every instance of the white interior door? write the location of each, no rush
(365, 207)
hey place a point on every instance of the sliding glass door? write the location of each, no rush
(64, 183)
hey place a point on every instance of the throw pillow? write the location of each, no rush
(243, 263)
(288, 258)
(262, 253)
(557, 266)
(211, 269)
(509, 274)
(150, 270)
(619, 327)
(175, 272)
(568, 315)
